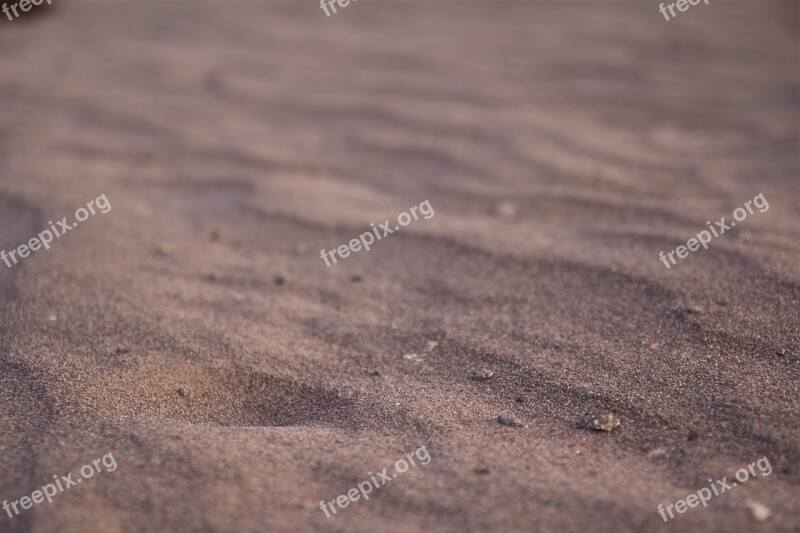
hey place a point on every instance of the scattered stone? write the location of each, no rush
(519, 400)
(431, 346)
(238, 297)
(780, 351)
(654, 346)
(759, 511)
(482, 375)
(482, 471)
(374, 373)
(355, 278)
(412, 357)
(693, 436)
(121, 351)
(181, 392)
(508, 421)
(607, 422)
(163, 250)
(506, 210)
(52, 318)
(211, 277)
(279, 280)
(657, 453)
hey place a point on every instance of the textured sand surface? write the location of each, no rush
(562, 145)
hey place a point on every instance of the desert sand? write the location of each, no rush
(195, 332)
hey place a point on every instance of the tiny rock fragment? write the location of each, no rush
(238, 297)
(692, 436)
(507, 421)
(279, 280)
(657, 453)
(211, 277)
(780, 351)
(163, 250)
(216, 235)
(412, 357)
(52, 318)
(355, 278)
(606, 422)
(758, 511)
(181, 392)
(374, 373)
(482, 375)
(431, 346)
(506, 210)
(121, 351)
(482, 471)
(654, 346)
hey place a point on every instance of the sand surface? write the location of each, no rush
(195, 332)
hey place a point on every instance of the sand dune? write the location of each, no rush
(195, 332)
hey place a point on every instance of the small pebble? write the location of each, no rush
(431, 346)
(52, 318)
(692, 436)
(279, 280)
(482, 471)
(355, 278)
(163, 250)
(759, 511)
(216, 235)
(506, 210)
(482, 375)
(211, 277)
(780, 351)
(507, 420)
(606, 422)
(412, 357)
(181, 392)
(121, 351)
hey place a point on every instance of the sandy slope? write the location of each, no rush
(236, 140)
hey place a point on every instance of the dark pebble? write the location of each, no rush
(780, 351)
(356, 278)
(507, 420)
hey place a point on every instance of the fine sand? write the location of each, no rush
(194, 331)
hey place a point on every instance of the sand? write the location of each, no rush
(194, 331)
